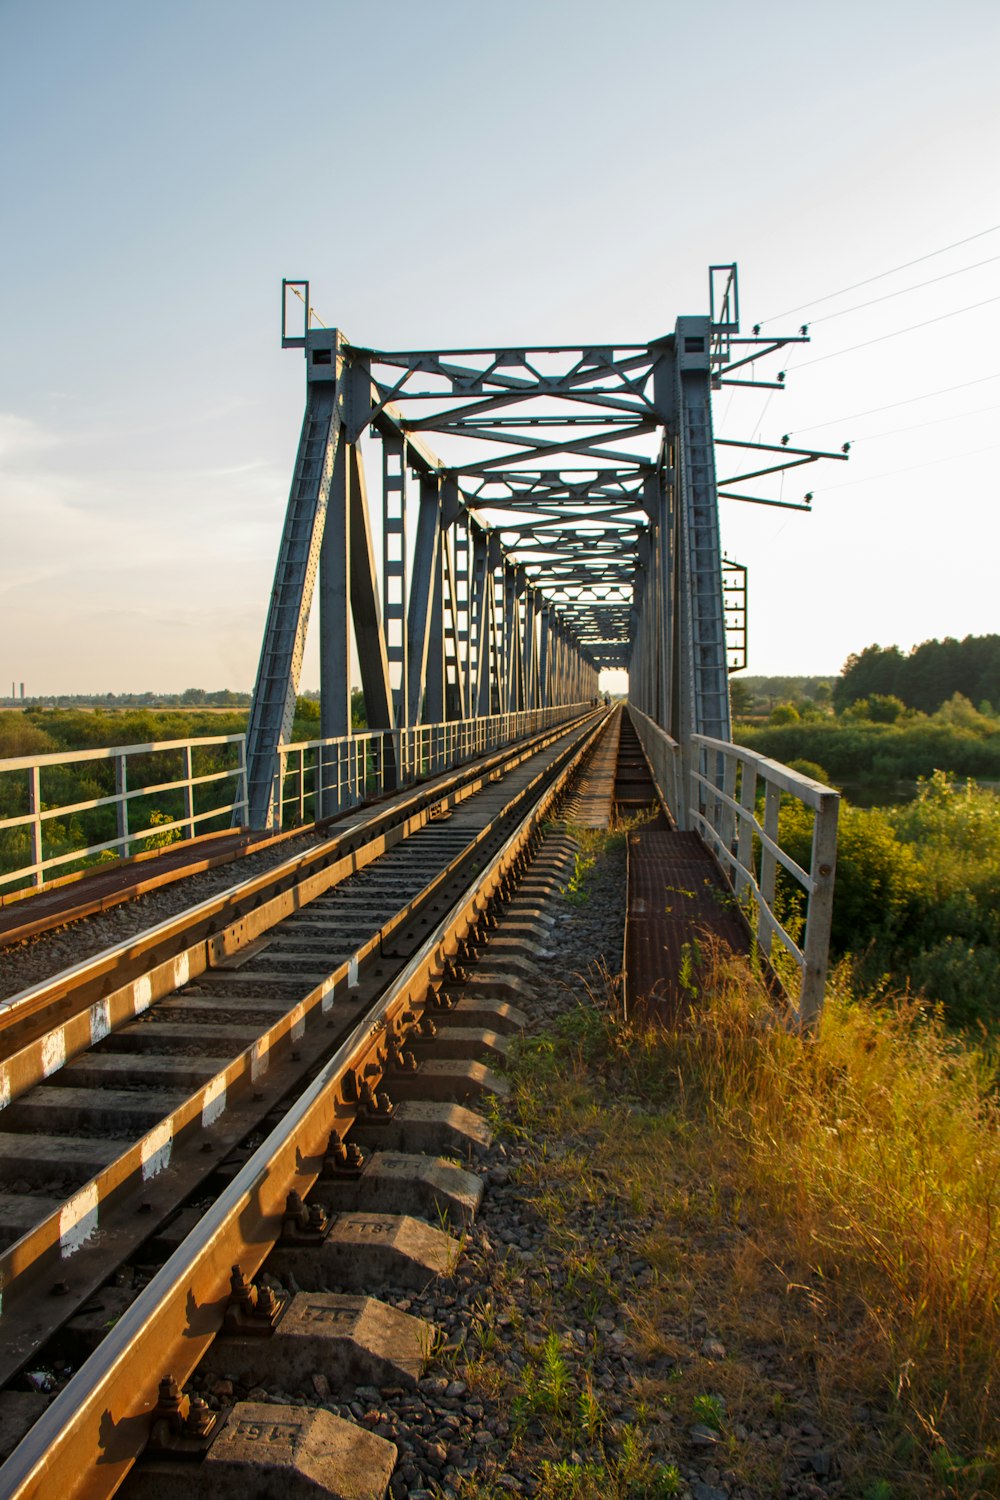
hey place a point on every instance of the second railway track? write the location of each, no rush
(187, 1079)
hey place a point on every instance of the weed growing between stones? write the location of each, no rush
(731, 1263)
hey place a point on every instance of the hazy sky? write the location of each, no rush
(455, 173)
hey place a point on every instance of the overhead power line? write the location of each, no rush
(880, 274)
(896, 334)
(911, 469)
(860, 306)
(870, 437)
(855, 416)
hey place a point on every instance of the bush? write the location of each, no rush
(877, 875)
(958, 740)
(811, 769)
(917, 893)
(964, 978)
(19, 736)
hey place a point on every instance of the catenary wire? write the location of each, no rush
(880, 274)
(949, 458)
(897, 332)
(855, 416)
(860, 306)
(870, 437)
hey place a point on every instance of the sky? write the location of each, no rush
(455, 174)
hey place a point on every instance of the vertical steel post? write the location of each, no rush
(394, 567)
(707, 675)
(544, 652)
(425, 559)
(121, 805)
(744, 842)
(463, 612)
(277, 684)
(529, 647)
(35, 809)
(335, 632)
(478, 620)
(768, 864)
(510, 638)
(189, 791)
(819, 912)
(240, 796)
(434, 674)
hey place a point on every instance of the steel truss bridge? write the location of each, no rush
(564, 521)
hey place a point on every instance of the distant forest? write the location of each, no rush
(190, 698)
(884, 679)
(925, 679)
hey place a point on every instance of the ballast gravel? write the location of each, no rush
(35, 959)
(512, 1288)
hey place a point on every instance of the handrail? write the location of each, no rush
(713, 787)
(664, 756)
(108, 752)
(749, 851)
(315, 779)
(44, 807)
(371, 762)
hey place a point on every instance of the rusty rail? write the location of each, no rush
(88, 1438)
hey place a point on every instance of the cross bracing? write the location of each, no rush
(542, 512)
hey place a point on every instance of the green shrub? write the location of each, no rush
(917, 893)
(20, 736)
(958, 740)
(811, 769)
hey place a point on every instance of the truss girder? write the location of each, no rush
(569, 523)
(277, 685)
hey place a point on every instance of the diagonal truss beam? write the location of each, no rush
(569, 523)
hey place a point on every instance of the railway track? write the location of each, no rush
(171, 1104)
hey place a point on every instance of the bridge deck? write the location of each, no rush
(677, 905)
(591, 804)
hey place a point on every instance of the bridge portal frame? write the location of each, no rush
(574, 526)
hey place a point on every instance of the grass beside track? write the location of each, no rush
(817, 1222)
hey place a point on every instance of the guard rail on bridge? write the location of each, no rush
(78, 806)
(727, 794)
(732, 798)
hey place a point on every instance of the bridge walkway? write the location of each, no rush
(678, 904)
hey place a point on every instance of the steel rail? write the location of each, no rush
(70, 898)
(76, 1246)
(90, 998)
(88, 1438)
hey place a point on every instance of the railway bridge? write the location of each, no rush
(275, 1075)
(488, 531)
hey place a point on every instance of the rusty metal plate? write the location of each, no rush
(677, 904)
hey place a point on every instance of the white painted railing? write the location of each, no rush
(39, 776)
(664, 756)
(364, 765)
(355, 768)
(733, 801)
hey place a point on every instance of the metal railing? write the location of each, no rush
(319, 778)
(664, 756)
(54, 829)
(733, 801)
(742, 831)
(68, 801)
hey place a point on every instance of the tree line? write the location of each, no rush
(927, 677)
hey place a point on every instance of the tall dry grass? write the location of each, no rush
(872, 1153)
